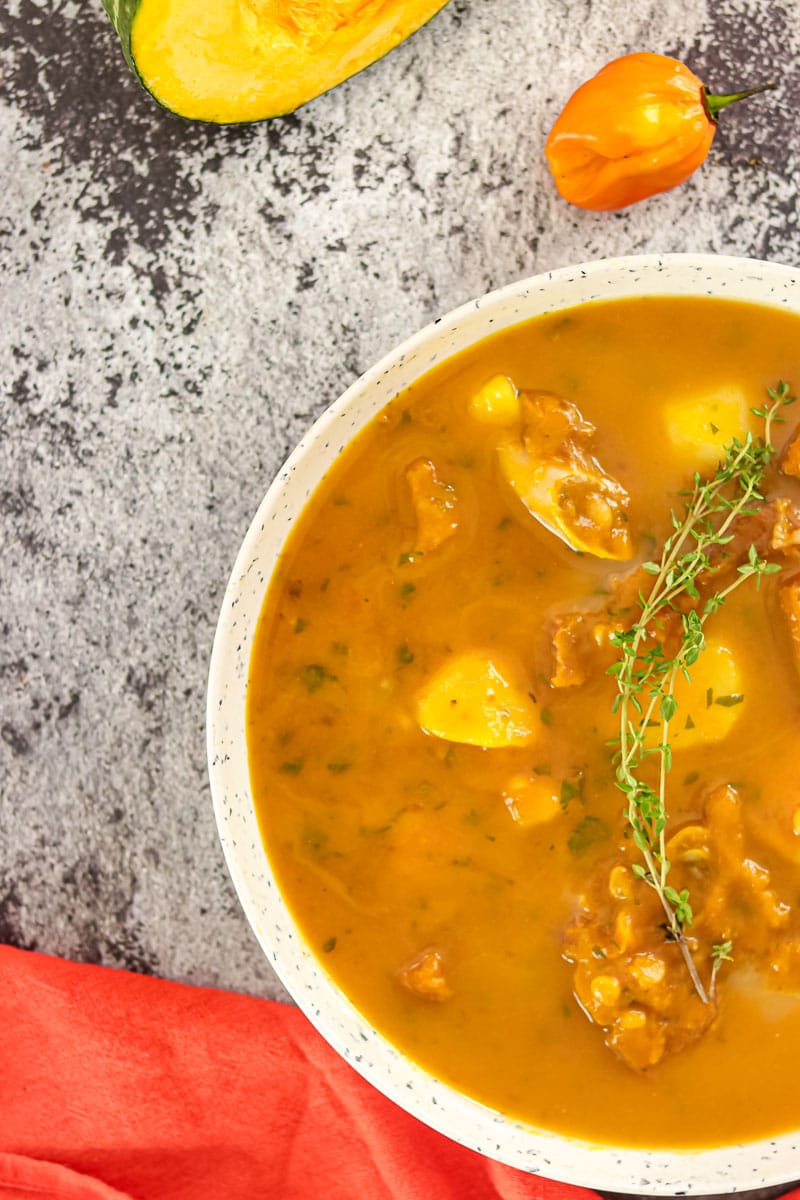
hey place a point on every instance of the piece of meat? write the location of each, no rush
(773, 527)
(553, 429)
(790, 462)
(424, 976)
(582, 645)
(553, 470)
(631, 979)
(582, 649)
(435, 505)
(786, 530)
(789, 596)
(736, 899)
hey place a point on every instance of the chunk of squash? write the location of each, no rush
(586, 509)
(232, 61)
(531, 800)
(553, 471)
(478, 701)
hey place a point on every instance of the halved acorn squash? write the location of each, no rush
(230, 61)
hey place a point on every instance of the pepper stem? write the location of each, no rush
(715, 104)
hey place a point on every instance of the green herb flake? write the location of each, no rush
(570, 791)
(292, 768)
(315, 839)
(338, 768)
(598, 952)
(590, 831)
(374, 830)
(408, 588)
(329, 945)
(300, 625)
(729, 701)
(315, 675)
(546, 716)
(404, 655)
(691, 778)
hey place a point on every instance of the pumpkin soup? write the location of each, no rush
(524, 722)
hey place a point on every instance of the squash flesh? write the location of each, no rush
(245, 60)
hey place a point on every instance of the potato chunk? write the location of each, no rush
(434, 503)
(496, 402)
(703, 426)
(479, 701)
(710, 705)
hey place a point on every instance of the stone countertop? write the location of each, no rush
(179, 303)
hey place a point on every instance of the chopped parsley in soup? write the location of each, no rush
(524, 722)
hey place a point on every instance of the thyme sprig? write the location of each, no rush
(645, 674)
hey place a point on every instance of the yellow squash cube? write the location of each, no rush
(479, 701)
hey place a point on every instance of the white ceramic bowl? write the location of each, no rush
(736, 1167)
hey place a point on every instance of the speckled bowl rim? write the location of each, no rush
(659, 1172)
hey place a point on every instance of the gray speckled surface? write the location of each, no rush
(179, 302)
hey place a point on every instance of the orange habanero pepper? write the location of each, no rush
(640, 126)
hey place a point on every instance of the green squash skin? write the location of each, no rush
(121, 14)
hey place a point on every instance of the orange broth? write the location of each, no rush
(386, 840)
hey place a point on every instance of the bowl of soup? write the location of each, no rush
(504, 724)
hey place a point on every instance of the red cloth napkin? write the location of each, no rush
(115, 1086)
